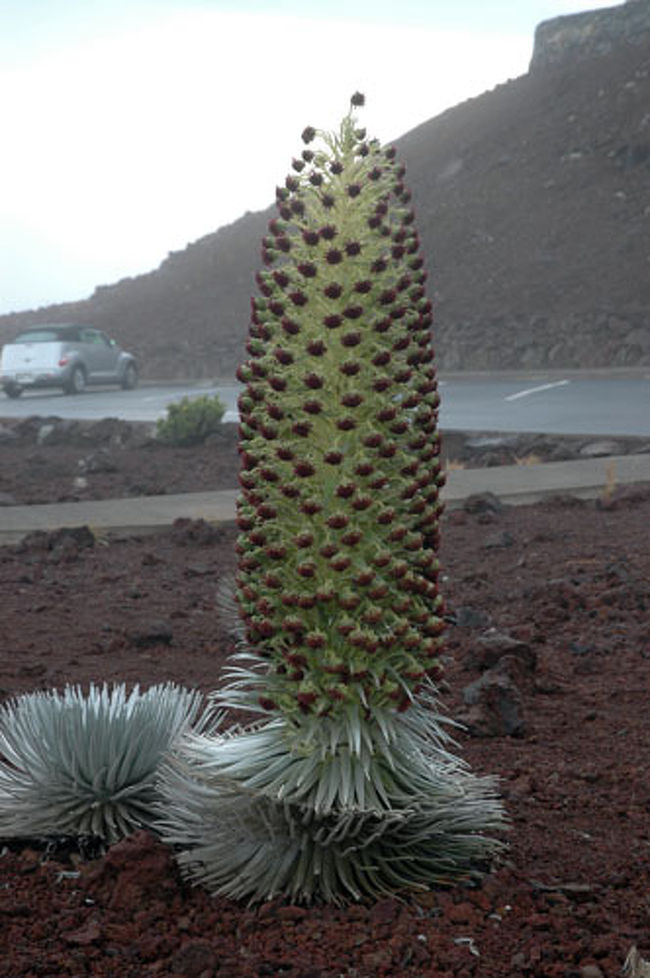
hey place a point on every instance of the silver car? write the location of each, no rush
(67, 356)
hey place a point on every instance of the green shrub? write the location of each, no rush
(191, 421)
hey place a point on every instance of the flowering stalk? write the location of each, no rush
(337, 583)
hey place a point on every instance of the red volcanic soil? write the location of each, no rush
(549, 605)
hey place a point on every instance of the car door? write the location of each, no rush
(100, 355)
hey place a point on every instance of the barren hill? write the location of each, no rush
(533, 203)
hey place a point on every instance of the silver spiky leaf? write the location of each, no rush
(334, 812)
(75, 763)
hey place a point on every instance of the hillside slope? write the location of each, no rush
(533, 202)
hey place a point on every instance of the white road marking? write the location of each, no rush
(536, 390)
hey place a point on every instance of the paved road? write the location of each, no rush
(552, 403)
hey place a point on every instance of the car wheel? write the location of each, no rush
(77, 382)
(129, 377)
(13, 390)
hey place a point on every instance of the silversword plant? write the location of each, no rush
(347, 786)
(76, 764)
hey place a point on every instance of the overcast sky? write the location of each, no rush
(133, 127)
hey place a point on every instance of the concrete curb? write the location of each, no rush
(513, 484)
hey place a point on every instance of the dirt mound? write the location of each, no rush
(547, 666)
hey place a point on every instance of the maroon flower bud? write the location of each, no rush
(272, 581)
(269, 475)
(266, 703)
(348, 600)
(378, 592)
(297, 207)
(333, 321)
(340, 563)
(247, 480)
(266, 512)
(308, 134)
(353, 312)
(352, 538)
(303, 469)
(336, 167)
(311, 506)
(353, 190)
(333, 458)
(350, 368)
(381, 384)
(275, 552)
(325, 593)
(381, 359)
(316, 348)
(281, 193)
(364, 577)
(313, 381)
(298, 298)
(312, 407)
(337, 521)
(285, 453)
(374, 440)
(363, 287)
(378, 266)
(402, 343)
(397, 251)
(283, 244)
(346, 423)
(298, 165)
(306, 701)
(307, 268)
(397, 534)
(269, 431)
(310, 237)
(275, 412)
(315, 640)
(328, 550)
(361, 503)
(352, 399)
(387, 297)
(351, 338)
(345, 627)
(387, 413)
(302, 428)
(277, 383)
(382, 325)
(291, 328)
(357, 100)
(304, 539)
(346, 489)
(390, 153)
(291, 492)
(283, 356)
(333, 256)
(308, 155)
(245, 522)
(306, 569)
(328, 201)
(385, 516)
(315, 178)
(333, 290)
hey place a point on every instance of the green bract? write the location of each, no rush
(346, 787)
